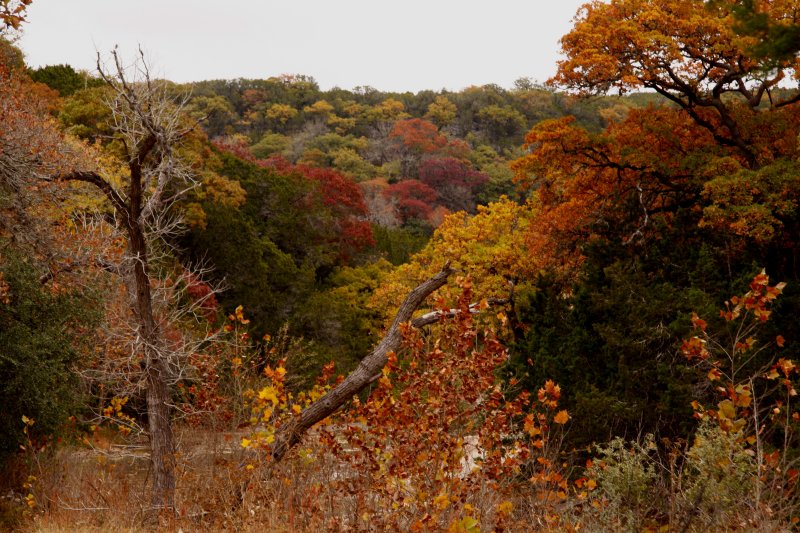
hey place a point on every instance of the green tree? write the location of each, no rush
(215, 112)
(45, 335)
(270, 144)
(64, 79)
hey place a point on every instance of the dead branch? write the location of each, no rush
(290, 434)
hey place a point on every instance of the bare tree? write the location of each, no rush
(148, 125)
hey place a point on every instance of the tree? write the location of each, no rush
(491, 246)
(215, 112)
(441, 111)
(86, 115)
(414, 199)
(501, 122)
(45, 332)
(64, 79)
(46, 316)
(346, 203)
(418, 136)
(30, 146)
(414, 138)
(280, 114)
(776, 38)
(148, 126)
(454, 181)
(380, 207)
(270, 144)
(687, 53)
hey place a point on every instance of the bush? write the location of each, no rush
(39, 324)
(713, 485)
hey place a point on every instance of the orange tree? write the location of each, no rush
(442, 443)
(687, 52)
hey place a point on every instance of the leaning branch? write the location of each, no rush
(290, 434)
(95, 179)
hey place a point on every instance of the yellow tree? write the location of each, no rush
(491, 247)
(441, 111)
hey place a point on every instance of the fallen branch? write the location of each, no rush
(372, 364)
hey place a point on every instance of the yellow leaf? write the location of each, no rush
(727, 409)
(240, 315)
(246, 443)
(268, 393)
(442, 500)
(505, 508)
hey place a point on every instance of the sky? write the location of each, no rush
(407, 45)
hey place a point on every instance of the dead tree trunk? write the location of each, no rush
(363, 375)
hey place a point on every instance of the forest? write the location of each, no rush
(258, 305)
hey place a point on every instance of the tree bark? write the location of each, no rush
(363, 375)
(162, 451)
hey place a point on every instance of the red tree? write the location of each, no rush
(414, 138)
(350, 230)
(414, 199)
(454, 181)
(346, 203)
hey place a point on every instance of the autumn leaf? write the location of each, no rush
(268, 394)
(561, 418)
(441, 501)
(786, 366)
(727, 409)
(505, 508)
(698, 322)
(240, 315)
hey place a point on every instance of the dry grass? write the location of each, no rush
(105, 489)
(220, 488)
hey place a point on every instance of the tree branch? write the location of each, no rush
(291, 433)
(98, 181)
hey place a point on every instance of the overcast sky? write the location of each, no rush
(392, 46)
